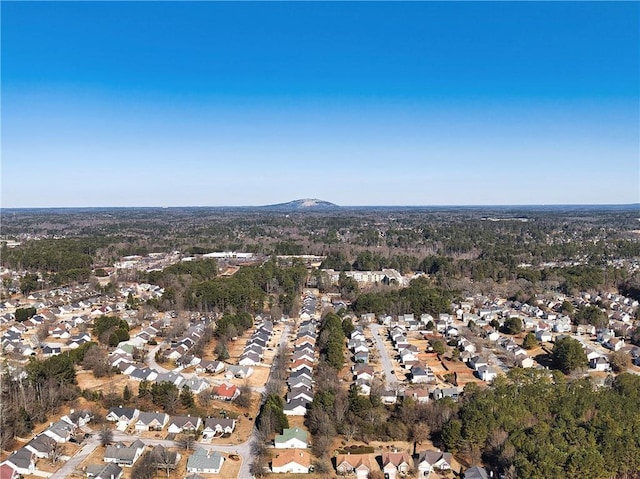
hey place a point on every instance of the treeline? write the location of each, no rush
(232, 325)
(420, 297)
(197, 270)
(532, 424)
(67, 259)
(248, 288)
(111, 330)
(48, 385)
(166, 395)
(331, 341)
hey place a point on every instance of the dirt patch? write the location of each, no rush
(113, 384)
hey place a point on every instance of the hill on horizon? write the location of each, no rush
(303, 204)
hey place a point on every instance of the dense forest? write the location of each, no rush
(534, 424)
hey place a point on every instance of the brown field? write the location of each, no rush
(113, 384)
(229, 469)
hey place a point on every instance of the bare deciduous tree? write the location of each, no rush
(105, 435)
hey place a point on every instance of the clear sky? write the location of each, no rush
(417, 103)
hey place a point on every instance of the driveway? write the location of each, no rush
(74, 463)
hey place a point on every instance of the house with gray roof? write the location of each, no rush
(61, 431)
(205, 462)
(296, 407)
(151, 421)
(429, 461)
(41, 446)
(179, 424)
(23, 461)
(122, 414)
(104, 471)
(476, 472)
(124, 455)
(216, 426)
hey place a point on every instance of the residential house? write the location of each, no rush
(22, 461)
(217, 426)
(361, 357)
(211, 367)
(430, 461)
(440, 393)
(525, 361)
(123, 455)
(205, 462)
(8, 472)
(291, 438)
(295, 382)
(614, 344)
(389, 397)
(60, 431)
(360, 464)
(600, 363)
(476, 472)
(143, 374)
(150, 421)
(296, 407)
(294, 461)
(41, 446)
(122, 415)
(300, 393)
(104, 471)
(422, 375)
(544, 335)
(302, 373)
(302, 363)
(249, 358)
(396, 462)
(51, 350)
(419, 395)
(196, 384)
(487, 373)
(363, 387)
(240, 372)
(226, 392)
(171, 377)
(178, 424)
(361, 372)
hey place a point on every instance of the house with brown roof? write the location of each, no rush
(293, 461)
(360, 464)
(394, 463)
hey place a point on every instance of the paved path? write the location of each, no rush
(383, 354)
(151, 360)
(74, 463)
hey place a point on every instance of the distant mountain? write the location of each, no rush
(307, 204)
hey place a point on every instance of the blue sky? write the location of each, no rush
(417, 103)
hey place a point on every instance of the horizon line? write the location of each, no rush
(282, 205)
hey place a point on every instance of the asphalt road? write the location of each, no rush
(383, 354)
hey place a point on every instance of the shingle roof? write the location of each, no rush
(287, 456)
(292, 433)
(203, 459)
